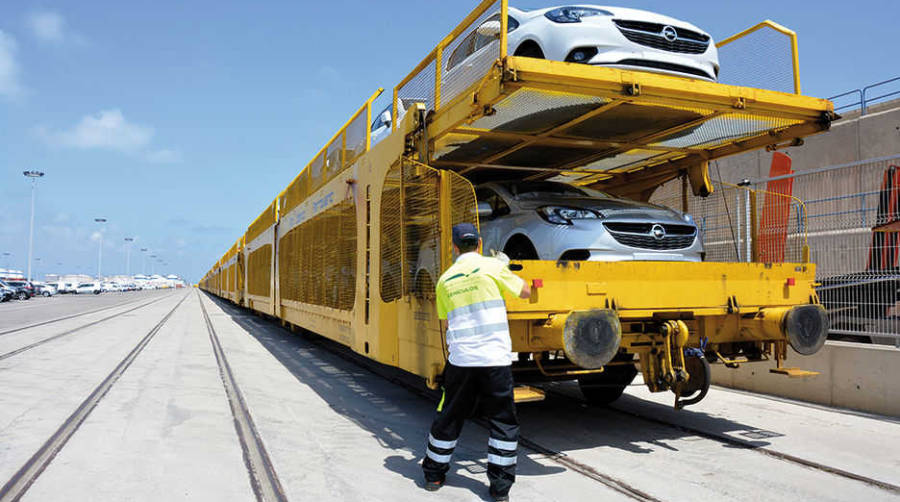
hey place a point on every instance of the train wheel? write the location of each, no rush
(601, 389)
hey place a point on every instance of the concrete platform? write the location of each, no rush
(336, 427)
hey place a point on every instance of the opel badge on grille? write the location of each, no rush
(658, 232)
(669, 33)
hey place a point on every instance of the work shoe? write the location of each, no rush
(500, 498)
(433, 486)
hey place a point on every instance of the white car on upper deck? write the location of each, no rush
(600, 35)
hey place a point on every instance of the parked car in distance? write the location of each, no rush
(25, 289)
(48, 289)
(545, 220)
(88, 288)
(6, 292)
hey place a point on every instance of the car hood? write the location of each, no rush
(622, 13)
(618, 209)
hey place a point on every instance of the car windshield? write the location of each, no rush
(545, 189)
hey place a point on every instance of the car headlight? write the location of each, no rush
(574, 14)
(563, 215)
(688, 218)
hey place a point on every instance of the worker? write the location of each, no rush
(478, 373)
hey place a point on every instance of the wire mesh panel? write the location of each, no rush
(259, 268)
(419, 89)
(316, 170)
(726, 219)
(762, 59)
(421, 227)
(334, 161)
(468, 57)
(317, 259)
(391, 246)
(356, 138)
(853, 215)
(411, 226)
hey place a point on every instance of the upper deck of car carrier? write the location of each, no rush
(496, 115)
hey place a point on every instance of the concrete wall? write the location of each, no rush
(856, 376)
(876, 134)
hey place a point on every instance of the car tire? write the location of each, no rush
(520, 248)
(22, 296)
(46, 293)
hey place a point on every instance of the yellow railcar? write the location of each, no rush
(351, 248)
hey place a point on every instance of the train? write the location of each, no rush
(352, 247)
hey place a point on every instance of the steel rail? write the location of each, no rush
(16, 487)
(263, 478)
(75, 330)
(51, 321)
(553, 455)
(740, 443)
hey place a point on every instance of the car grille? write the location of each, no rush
(650, 35)
(638, 235)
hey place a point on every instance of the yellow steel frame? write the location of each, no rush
(795, 60)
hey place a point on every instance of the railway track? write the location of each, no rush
(739, 443)
(63, 318)
(263, 478)
(554, 456)
(79, 328)
(18, 485)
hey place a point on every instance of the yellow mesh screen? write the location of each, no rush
(391, 254)
(261, 224)
(317, 259)
(334, 162)
(356, 138)
(259, 266)
(410, 227)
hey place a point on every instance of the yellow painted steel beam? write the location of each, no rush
(654, 88)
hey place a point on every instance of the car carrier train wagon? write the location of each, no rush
(351, 248)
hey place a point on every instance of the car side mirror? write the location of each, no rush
(489, 29)
(485, 210)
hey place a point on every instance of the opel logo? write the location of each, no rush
(659, 233)
(669, 33)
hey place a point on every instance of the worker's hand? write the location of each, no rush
(500, 255)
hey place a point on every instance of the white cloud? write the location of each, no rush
(165, 156)
(50, 26)
(9, 68)
(107, 130)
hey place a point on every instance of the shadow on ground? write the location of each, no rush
(368, 394)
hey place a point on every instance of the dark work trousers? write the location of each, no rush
(491, 390)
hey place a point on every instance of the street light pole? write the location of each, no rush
(101, 221)
(6, 255)
(34, 175)
(129, 240)
(144, 261)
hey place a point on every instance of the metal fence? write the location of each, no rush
(843, 218)
(743, 224)
(853, 218)
(868, 95)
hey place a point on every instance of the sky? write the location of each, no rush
(179, 122)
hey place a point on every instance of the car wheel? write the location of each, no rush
(520, 248)
(23, 296)
(529, 49)
(46, 293)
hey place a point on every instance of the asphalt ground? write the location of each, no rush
(159, 398)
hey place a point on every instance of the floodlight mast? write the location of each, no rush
(101, 221)
(33, 175)
(128, 240)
